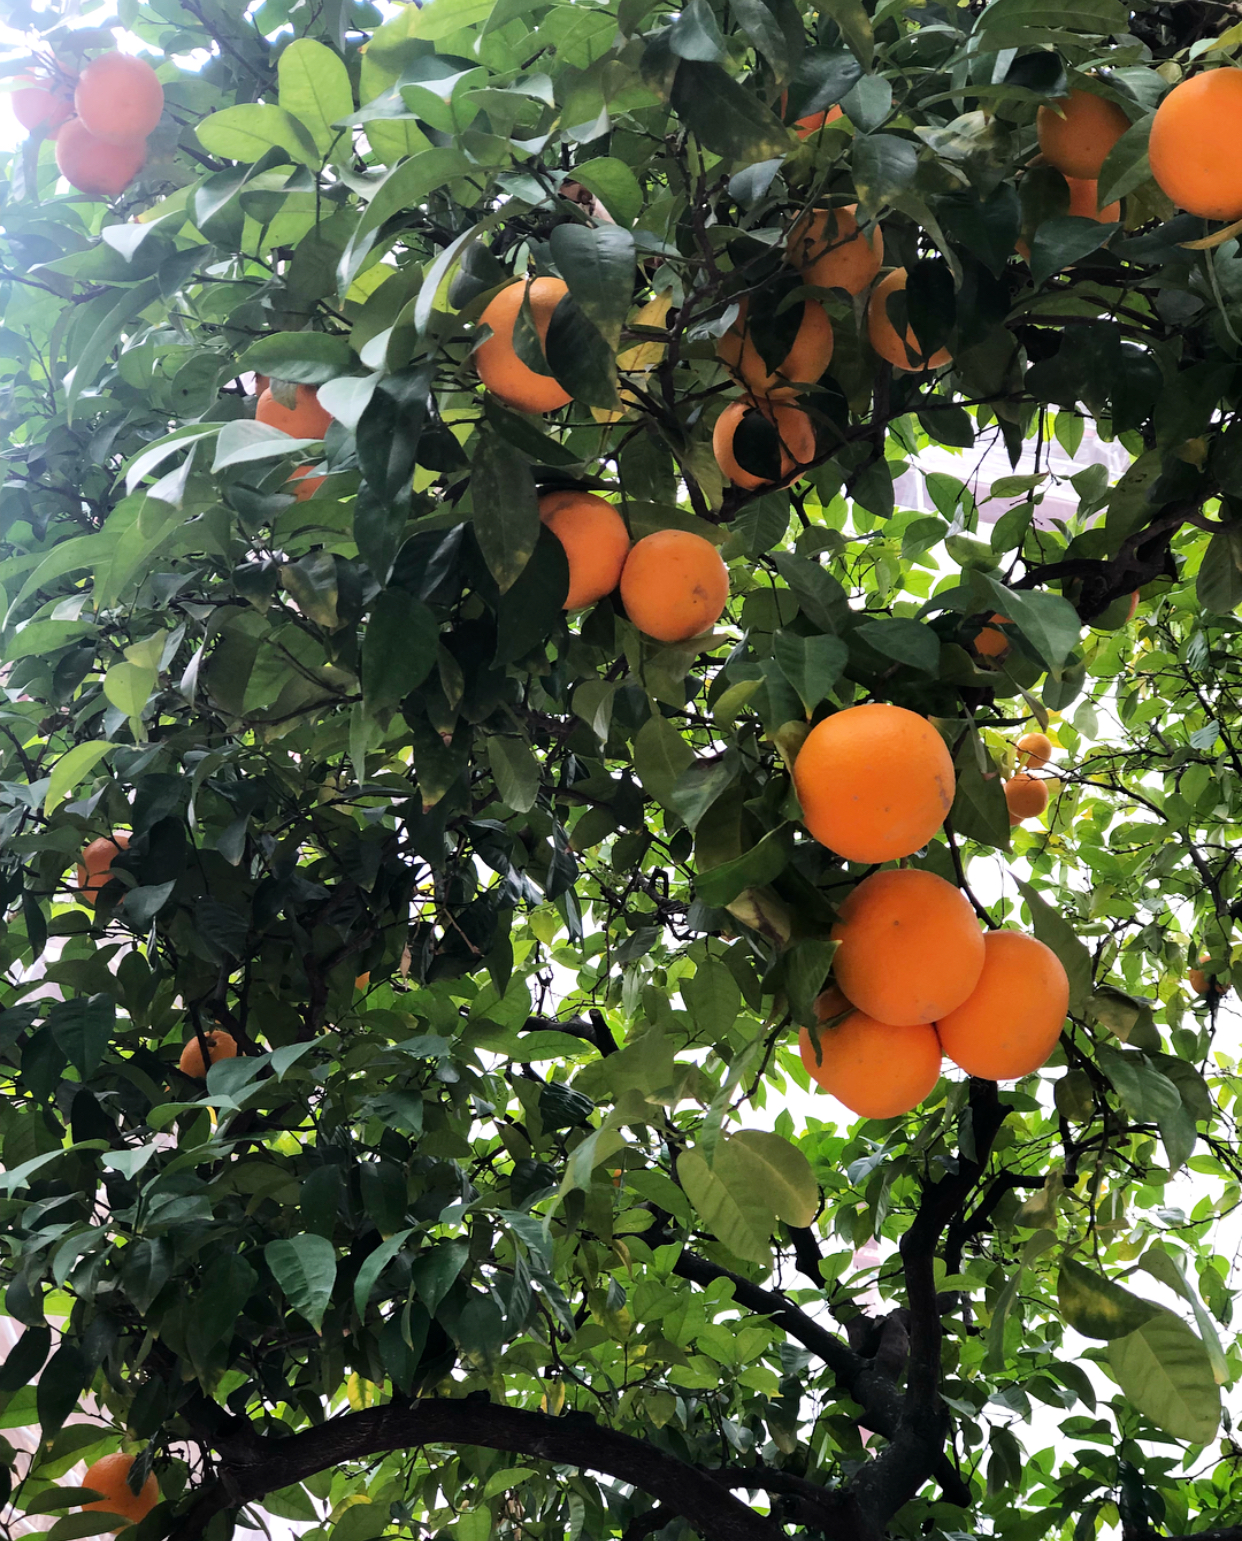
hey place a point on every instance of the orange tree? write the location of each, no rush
(406, 1115)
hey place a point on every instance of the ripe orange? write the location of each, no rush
(220, 1045)
(1084, 202)
(307, 485)
(874, 781)
(911, 949)
(793, 426)
(1027, 798)
(877, 1070)
(109, 1477)
(95, 868)
(811, 124)
(883, 334)
(803, 364)
(496, 360)
(1198, 981)
(1011, 1022)
(1034, 750)
(1077, 138)
(94, 166)
(308, 420)
(362, 981)
(991, 642)
(1203, 983)
(674, 585)
(595, 539)
(39, 107)
(119, 98)
(831, 251)
(1194, 142)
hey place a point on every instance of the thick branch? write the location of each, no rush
(596, 1031)
(254, 1466)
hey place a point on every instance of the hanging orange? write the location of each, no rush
(94, 166)
(95, 868)
(1193, 149)
(674, 585)
(806, 360)
(307, 420)
(595, 539)
(874, 781)
(220, 1045)
(109, 1477)
(1026, 797)
(1009, 1024)
(1076, 138)
(795, 432)
(831, 251)
(119, 98)
(875, 1069)
(883, 334)
(911, 949)
(496, 360)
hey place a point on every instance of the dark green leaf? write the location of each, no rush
(725, 116)
(309, 358)
(398, 649)
(506, 510)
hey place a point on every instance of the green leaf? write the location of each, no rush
(755, 868)
(517, 772)
(305, 1268)
(701, 784)
(855, 24)
(63, 1379)
(89, 362)
(308, 358)
(1166, 1372)
(979, 810)
(315, 89)
(738, 1217)
(37, 638)
(71, 769)
(398, 648)
(773, 1167)
(1063, 240)
(696, 34)
(243, 442)
(614, 184)
(403, 188)
(374, 1265)
(661, 755)
(725, 116)
(506, 509)
(579, 356)
(83, 1028)
(712, 997)
(812, 665)
(908, 642)
(1095, 1306)
(1218, 584)
(444, 17)
(1126, 166)
(884, 167)
(128, 686)
(1162, 1265)
(804, 974)
(312, 583)
(1147, 1095)
(598, 265)
(1052, 928)
(1011, 23)
(73, 1527)
(248, 132)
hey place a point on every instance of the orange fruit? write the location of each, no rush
(874, 781)
(1026, 797)
(990, 642)
(803, 364)
(1084, 202)
(94, 166)
(875, 1069)
(109, 1477)
(795, 431)
(362, 981)
(38, 107)
(1203, 983)
(911, 949)
(1194, 142)
(1011, 1021)
(595, 539)
(220, 1045)
(1198, 981)
(814, 121)
(119, 98)
(674, 585)
(95, 868)
(1077, 138)
(830, 250)
(307, 485)
(883, 334)
(496, 360)
(1034, 750)
(308, 420)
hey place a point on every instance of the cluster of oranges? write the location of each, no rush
(915, 978)
(1190, 151)
(100, 122)
(1025, 795)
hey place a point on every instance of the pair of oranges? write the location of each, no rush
(117, 100)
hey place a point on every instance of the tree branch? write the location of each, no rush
(253, 1465)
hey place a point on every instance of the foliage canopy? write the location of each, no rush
(498, 1222)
